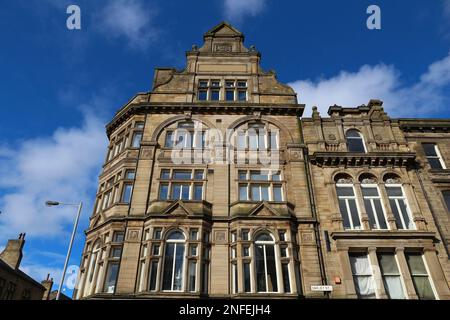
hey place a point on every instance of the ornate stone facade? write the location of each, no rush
(250, 204)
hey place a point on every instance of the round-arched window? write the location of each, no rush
(355, 141)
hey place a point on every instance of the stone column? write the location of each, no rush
(404, 270)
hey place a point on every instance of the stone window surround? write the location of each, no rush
(408, 193)
(124, 139)
(222, 88)
(116, 189)
(237, 243)
(106, 244)
(147, 247)
(429, 256)
(192, 182)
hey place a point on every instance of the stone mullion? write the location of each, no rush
(404, 270)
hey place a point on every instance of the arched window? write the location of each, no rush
(174, 261)
(372, 202)
(265, 263)
(186, 135)
(398, 202)
(355, 141)
(347, 202)
(92, 268)
(257, 136)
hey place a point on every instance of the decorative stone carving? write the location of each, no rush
(223, 47)
(345, 181)
(220, 237)
(332, 137)
(378, 137)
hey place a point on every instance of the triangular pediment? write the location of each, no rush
(263, 209)
(177, 208)
(223, 29)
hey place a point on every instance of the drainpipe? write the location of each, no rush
(323, 274)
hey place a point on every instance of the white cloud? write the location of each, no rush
(129, 19)
(62, 167)
(235, 10)
(425, 97)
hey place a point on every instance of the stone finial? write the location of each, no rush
(375, 102)
(252, 48)
(315, 113)
(48, 284)
(194, 47)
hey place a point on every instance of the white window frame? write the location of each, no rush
(183, 271)
(438, 155)
(371, 198)
(277, 264)
(347, 206)
(405, 201)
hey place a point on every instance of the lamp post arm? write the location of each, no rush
(80, 205)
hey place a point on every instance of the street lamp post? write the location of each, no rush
(56, 203)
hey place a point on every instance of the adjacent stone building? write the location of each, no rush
(14, 283)
(214, 186)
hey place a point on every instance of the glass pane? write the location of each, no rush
(398, 221)
(203, 83)
(416, 265)
(369, 192)
(394, 287)
(153, 275)
(252, 140)
(273, 140)
(276, 176)
(242, 84)
(165, 174)
(353, 134)
(229, 95)
(394, 191)
(155, 251)
(139, 125)
(435, 163)
(354, 213)
(423, 288)
(163, 191)
(215, 95)
(129, 174)
(111, 277)
(246, 251)
(286, 281)
(344, 213)
(242, 95)
(176, 191)
(277, 193)
(409, 224)
(182, 175)
(115, 252)
(127, 190)
(370, 214)
(169, 140)
(192, 271)
(176, 235)
(263, 237)
(229, 84)
(118, 237)
(355, 145)
(194, 234)
(429, 149)
(243, 192)
(215, 83)
(380, 213)
(260, 268)
(446, 195)
(240, 140)
(247, 286)
(388, 265)
(198, 174)
(259, 175)
(265, 192)
(202, 95)
(245, 234)
(242, 175)
(255, 194)
(345, 191)
(137, 137)
(185, 192)
(178, 272)
(193, 250)
(271, 269)
(283, 252)
(198, 192)
(168, 265)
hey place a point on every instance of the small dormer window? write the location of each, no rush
(355, 141)
(216, 90)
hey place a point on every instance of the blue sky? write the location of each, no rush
(60, 87)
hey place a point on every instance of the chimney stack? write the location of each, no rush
(12, 254)
(48, 284)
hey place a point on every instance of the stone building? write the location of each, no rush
(212, 186)
(14, 283)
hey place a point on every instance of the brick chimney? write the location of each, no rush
(48, 284)
(12, 254)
